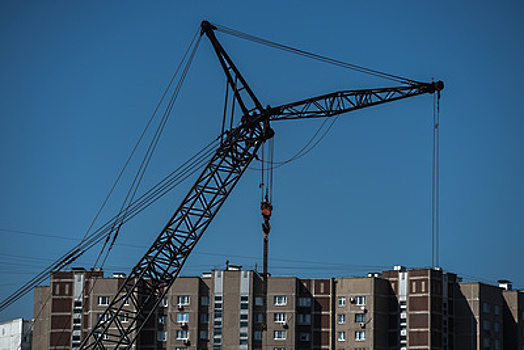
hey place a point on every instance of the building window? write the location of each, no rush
(259, 318)
(497, 310)
(279, 348)
(304, 336)
(485, 307)
(161, 336)
(126, 302)
(182, 334)
(183, 300)
(244, 306)
(244, 298)
(304, 319)
(182, 317)
(497, 344)
(360, 317)
(164, 302)
(279, 317)
(259, 301)
(162, 319)
(360, 335)
(204, 300)
(103, 300)
(179, 348)
(341, 318)
(341, 301)
(304, 301)
(496, 327)
(258, 335)
(360, 300)
(486, 325)
(486, 342)
(124, 317)
(341, 336)
(204, 335)
(279, 335)
(102, 317)
(243, 335)
(280, 300)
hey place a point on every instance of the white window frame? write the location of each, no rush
(341, 336)
(360, 300)
(280, 335)
(183, 300)
(279, 317)
(182, 317)
(360, 335)
(341, 318)
(360, 317)
(103, 300)
(164, 302)
(124, 317)
(341, 301)
(102, 317)
(280, 300)
(180, 334)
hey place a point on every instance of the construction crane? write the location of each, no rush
(149, 281)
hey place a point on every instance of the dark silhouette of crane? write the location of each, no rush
(150, 279)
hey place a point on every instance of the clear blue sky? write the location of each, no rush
(79, 79)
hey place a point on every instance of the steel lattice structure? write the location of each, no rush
(155, 273)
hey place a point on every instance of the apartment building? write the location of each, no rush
(225, 309)
(425, 308)
(16, 334)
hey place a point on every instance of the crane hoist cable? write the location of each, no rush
(435, 186)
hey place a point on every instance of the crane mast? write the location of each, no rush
(150, 279)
